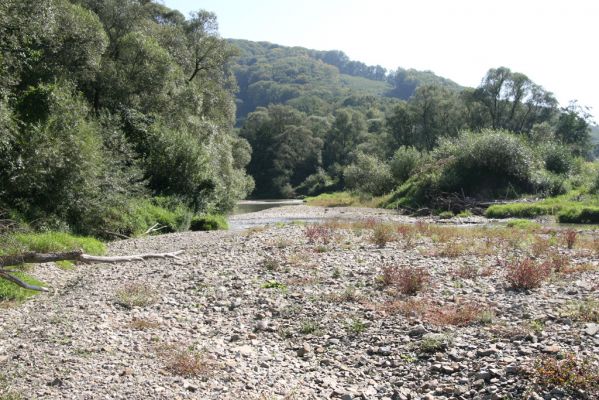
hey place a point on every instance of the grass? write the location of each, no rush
(572, 207)
(46, 242)
(523, 224)
(11, 292)
(274, 284)
(208, 222)
(344, 199)
(583, 310)
(50, 242)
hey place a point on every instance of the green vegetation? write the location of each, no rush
(523, 224)
(209, 222)
(90, 134)
(11, 292)
(49, 242)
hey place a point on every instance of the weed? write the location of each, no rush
(539, 246)
(523, 224)
(569, 237)
(453, 314)
(408, 280)
(571, 373)
(185, 361)
(467, 271)
(336, 273)
(586, 310)
(382, 234)
(270, 264)
(451, 249)
(537, 326)
(321, 249)
(136, 295)
(274, 284)
(446, 215)
(142, 324)
(527, 274)
(309, 327)
(355, 326)
(349, 295)
(318, 233)
(486, 317)
(434, 343)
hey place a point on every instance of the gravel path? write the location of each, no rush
(264, 314)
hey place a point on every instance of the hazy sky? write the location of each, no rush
(553, 42)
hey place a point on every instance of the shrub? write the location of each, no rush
(404, 162)
(557, 158)
(488, 163)
(316, 184)
(208, 222)
(527, 274)
(368, 175)
(579, 215)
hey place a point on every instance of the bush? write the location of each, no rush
(316, 184)
(523, 224)
(557, 158)
(579, 215)
(488, 163)
(209, 222)
(368, 175)
(404, 162)
(527, 274)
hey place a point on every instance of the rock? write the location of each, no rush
(417, 331)
(552, 349)
(591, 329)
(304, 350)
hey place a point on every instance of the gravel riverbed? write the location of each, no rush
(272, 313)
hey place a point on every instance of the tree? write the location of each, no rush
(574, 128)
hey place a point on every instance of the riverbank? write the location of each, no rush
(294, 311)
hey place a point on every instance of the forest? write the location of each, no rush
(116, 115)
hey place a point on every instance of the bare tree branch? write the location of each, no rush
(31, 257)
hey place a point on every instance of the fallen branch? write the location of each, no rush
(32, 257)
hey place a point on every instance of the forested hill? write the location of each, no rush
(314, 81)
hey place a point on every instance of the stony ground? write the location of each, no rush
(296, 311)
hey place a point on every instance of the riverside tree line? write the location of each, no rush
(117, 114)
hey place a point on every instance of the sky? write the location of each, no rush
(553, 42)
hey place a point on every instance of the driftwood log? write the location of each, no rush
(32, 257)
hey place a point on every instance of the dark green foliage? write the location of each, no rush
(368, 175)
(485, 164)
(208, 222)
(105, 102)
(557, 159)
(317, 183)
(285, 149)
(405, 162)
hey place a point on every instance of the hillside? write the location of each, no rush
(313, 80)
